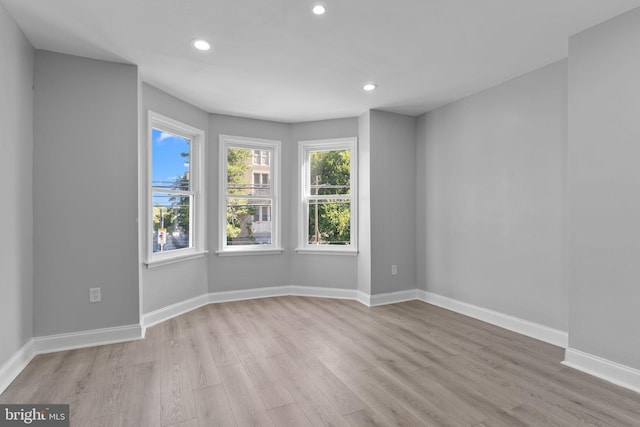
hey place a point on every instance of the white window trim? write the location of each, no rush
(197, 178)
(275, 173)
(304, 147)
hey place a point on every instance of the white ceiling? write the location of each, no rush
(274, 59)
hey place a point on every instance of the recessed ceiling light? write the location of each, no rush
(319, 9)
(201, 44)
(369, 87)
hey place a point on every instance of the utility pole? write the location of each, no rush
(317, 236)
(160, 239)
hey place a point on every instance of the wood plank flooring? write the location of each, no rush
(297, 361)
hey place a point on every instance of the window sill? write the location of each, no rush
(274, 251)
(175, 259)
(332, 251)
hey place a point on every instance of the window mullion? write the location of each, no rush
(169, 191)
(244, 196)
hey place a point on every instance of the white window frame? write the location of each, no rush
(197, 247)
(252, 144)
(304, 191)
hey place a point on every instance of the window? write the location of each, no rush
(249, 196)
(261, 157)
(175, 186)
(328, 208)
(263, 214)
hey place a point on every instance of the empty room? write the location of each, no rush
(320, 213)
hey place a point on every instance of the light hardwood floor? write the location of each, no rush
(296, 361)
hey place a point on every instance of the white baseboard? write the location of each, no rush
(12, 367)
(61, 342)
(607, 370)
(392, 297)
(280, 291)
(245, 294)
(521, 326)
(353, 294)
(73, 340)
(337, 293)
(363, 298)
(173, 310)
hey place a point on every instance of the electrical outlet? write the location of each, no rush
(394, 270)
(95, 295)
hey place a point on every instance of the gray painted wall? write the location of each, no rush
(227, 273)
(16, 170)
(330, 271)
(604, 190)
(85, 193)
(166, 285)
(245, 272)
(490, 198)
(364, 203)
(393, 205)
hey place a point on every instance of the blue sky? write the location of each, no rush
(167, 163)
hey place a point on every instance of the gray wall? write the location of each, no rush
(85, 193)
(172, 283)
(490, 198)
(16, 172)
(604, 190)
(229, 273)
(330, 271)
(166, 285)
(364, 203)
(393, 205)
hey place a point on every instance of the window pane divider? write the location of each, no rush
(171, 191)
(248, 196)
(328, 197)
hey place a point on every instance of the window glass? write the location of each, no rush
(327, 206)
(170, 160)
(249, 196)
(175, 193)
(171, 221)
(329, 219)
(170, 167)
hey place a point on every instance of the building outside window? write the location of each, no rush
(261, 157)
(249, 204)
